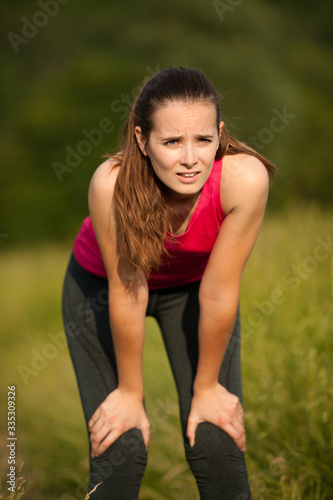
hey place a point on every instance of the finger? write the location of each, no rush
(145, 430)
(239, 420)
(238, 425)
(241, 411)
(237, 434)
(190, 431)
(97, 425)
(96, 441)
(241, 442)
(107, 442)
(97, 436)
(241, 439)
(94, 418)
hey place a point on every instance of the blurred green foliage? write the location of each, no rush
(287, 371)
(78, 63)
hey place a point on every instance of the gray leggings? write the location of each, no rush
(216, 462)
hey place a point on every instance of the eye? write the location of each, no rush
(172, 142)
(204, 140)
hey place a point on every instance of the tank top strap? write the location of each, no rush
(212, 193)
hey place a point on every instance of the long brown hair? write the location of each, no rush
(140, 204)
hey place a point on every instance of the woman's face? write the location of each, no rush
(182, 145)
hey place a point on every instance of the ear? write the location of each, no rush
(220, 129)
(141, 140)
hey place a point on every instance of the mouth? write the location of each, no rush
(187, 175)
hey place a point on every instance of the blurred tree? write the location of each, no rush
(70, 69)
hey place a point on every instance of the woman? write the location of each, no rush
(173, 219)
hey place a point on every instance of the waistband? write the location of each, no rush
(76, 269)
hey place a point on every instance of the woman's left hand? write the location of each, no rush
(219, 407)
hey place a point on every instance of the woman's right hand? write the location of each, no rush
(118, 413)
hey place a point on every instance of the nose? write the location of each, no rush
(189, 157)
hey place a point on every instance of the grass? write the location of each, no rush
(286, 306)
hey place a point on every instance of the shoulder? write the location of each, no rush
(244, 181)
(100, 197)
(101, 190)
(102, 184)
(104, 177)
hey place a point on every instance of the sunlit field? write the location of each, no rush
(287, 315)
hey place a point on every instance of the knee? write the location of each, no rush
(212, 444)
(217, 464)
(123, 462)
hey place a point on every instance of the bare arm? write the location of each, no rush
(245, 196)
(127, 307)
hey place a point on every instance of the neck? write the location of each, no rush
(180, 210)
(174, 199)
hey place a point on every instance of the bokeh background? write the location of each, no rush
(69, 71)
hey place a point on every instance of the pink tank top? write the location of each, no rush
(190, 251)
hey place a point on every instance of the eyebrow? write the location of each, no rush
(177, 137)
